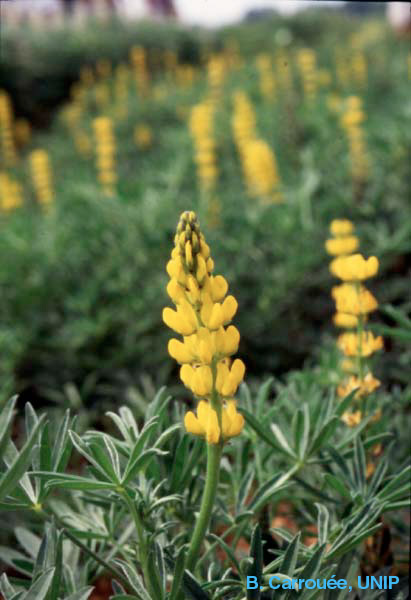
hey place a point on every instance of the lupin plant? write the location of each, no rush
(342, 68)
(266, 75)
(8, 149)
(261, 171)
(351, 121)
(203, 317)
(216, 70)
(201, 128)
(359, 68)
(121, 85)
(307, 60)
(10, 193)
(105, 153)
(243, 122)
(284, 76)
(353, 303)
(143, 136)
(41, 176)
(138, 61)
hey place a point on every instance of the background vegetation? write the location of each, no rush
(82, 287)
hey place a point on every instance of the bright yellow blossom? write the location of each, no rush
(345, 320)
(354, 267)
(342, 245)
(363, 386)
(206, 422)
(202, 317)
(365, 344)
(353, 299)
(352, 419)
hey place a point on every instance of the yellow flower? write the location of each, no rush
(342, 245)
(353, 300)
(364, 387)
(261, 171)
(354, 267)
(202, 317)
(352, 344)
(345, 320)
(206, 422)
(352, 419)
(143, 136)
(41, 176)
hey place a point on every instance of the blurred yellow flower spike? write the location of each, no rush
(105, 153)
(41, 177)
(202, 317)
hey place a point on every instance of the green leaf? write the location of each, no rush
(312, 567)
(322, 523)
(359, 464)
(192, 588)
(154, 576)
(83, 594)
(6, 416)
(20, 463)
(28, 541)
(337, 485)
(62, 446)
(178, 574)
(266, 491)
(282, 441)
(352, 542)
(40, 587)
(260, 430)
(262, 395)
(391, 489)
(141, 463)
(82, 448)
(166, 435)
(31, 419)
(73, 482)
(344, 404)
(301, 430)
(323, 435)
(256, 568)
(227, 550)
(134, 580)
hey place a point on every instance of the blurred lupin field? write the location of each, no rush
(284, 142)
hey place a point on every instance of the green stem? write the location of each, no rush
(213, 470)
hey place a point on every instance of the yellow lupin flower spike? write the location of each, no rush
(202, 316)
